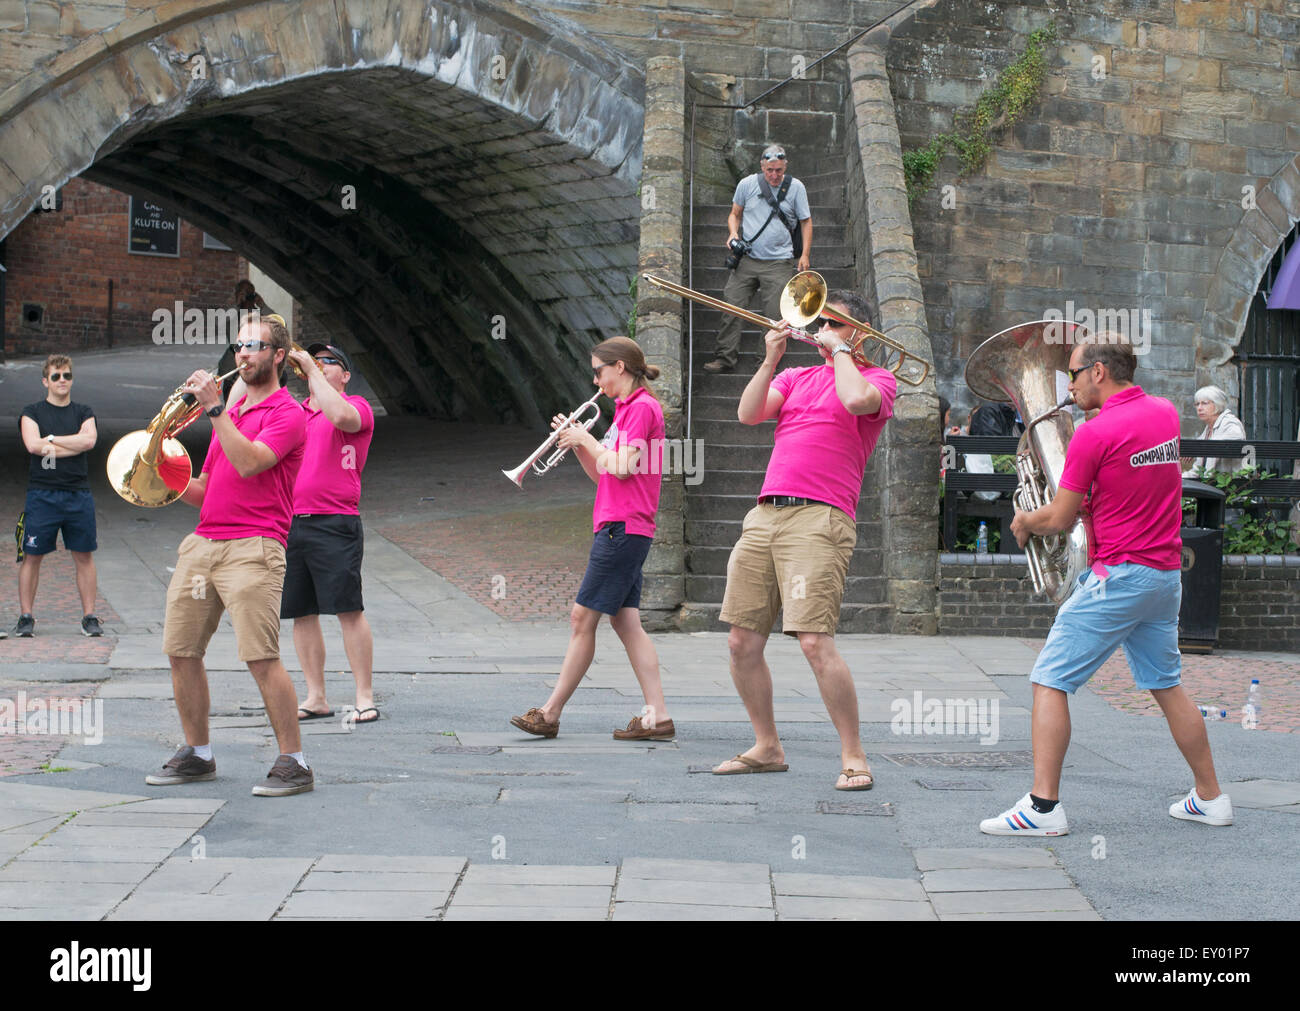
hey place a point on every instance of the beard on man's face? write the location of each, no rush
(260, 373)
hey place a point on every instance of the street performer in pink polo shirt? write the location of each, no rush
(795, 545)
(323, 558)
(1124, 465)
(627, 468)
(234, 560)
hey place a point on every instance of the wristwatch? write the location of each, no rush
(842, 347)
(215, 412)
(50, 439)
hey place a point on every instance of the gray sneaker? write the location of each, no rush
(184, 767)
(26, 626)
(90, 626)
(286, 778)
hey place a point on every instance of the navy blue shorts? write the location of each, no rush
(50, 510)
(613, 579)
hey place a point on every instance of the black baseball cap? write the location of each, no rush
(335, 350)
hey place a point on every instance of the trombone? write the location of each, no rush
(804, 300)
(517, 475)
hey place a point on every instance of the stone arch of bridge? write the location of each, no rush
(1270, 215)
(449, 188)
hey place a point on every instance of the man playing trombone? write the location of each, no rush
(234, 560)
(794, 551)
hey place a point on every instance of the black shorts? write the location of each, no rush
(613, 578)
(322, 566)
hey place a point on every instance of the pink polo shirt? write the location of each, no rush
(1127, 457)
(332, 461)
(633, 500)
(821, 449)
(261, 505)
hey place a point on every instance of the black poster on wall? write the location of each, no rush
(155, 231)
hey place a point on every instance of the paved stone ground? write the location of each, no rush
(441, 809)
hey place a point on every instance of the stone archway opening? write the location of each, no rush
(454, 199)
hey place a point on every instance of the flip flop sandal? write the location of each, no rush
(751, 765)
(857, 772)
(356, 715)
(312, 716)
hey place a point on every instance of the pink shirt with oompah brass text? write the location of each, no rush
(1127, 457)
(821, 449)
(261, 505)
(633, 500)
(330, 478)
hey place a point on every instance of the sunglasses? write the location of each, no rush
(254, 346)
(56, 376)
(1074, 373)
(824, 321)
(600, 368)
(774, 156)
(329, 361)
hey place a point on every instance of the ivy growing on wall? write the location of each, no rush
(1014, 93)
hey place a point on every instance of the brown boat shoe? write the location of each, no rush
(636, 732)
(534, 722)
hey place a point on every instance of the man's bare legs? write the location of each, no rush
(835, 683)
(190, 689)
(358, 643)
(29, 577)
(85, 562)
(753, 681)
(281, 701)
(1051, 739)
(645, 664)
(1188, 728)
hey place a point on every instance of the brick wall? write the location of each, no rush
(63, 260)
(1259, 608)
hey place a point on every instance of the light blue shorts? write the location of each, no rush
(1135, 607)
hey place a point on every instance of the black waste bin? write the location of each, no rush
(1198, 618)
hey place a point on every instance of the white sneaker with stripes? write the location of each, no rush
(1209, 812)
(1024, 820)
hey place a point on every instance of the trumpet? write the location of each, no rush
(804, 300)
(149, 467)
(517, 475)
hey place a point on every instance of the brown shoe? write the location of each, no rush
(718, 365)
(636, 732)
(286, 778)
(184, 767)
(533, 722)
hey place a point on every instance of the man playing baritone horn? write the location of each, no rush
(234, 560)
(794, 550)
(1124, 462)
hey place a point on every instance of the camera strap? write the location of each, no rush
(766, 190)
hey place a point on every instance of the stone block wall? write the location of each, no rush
(63, 260)
(1156, 177)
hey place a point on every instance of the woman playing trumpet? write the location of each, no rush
(627, 468)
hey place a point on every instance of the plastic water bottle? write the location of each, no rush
(1213, 712)
(982, 539)
(1254, 707)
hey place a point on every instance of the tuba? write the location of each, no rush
(145, 467)
(1019, 365)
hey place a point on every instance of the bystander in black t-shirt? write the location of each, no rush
(68, 471)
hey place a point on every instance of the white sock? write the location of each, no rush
(203, 751)
(297, 757)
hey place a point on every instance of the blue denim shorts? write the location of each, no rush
(613, 579)
(50, 510)
(1135, 607)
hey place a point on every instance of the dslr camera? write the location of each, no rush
(739, 249)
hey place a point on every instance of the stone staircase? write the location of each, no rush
(736, 455)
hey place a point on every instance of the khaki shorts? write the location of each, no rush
(793, 559)
(243, 576)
